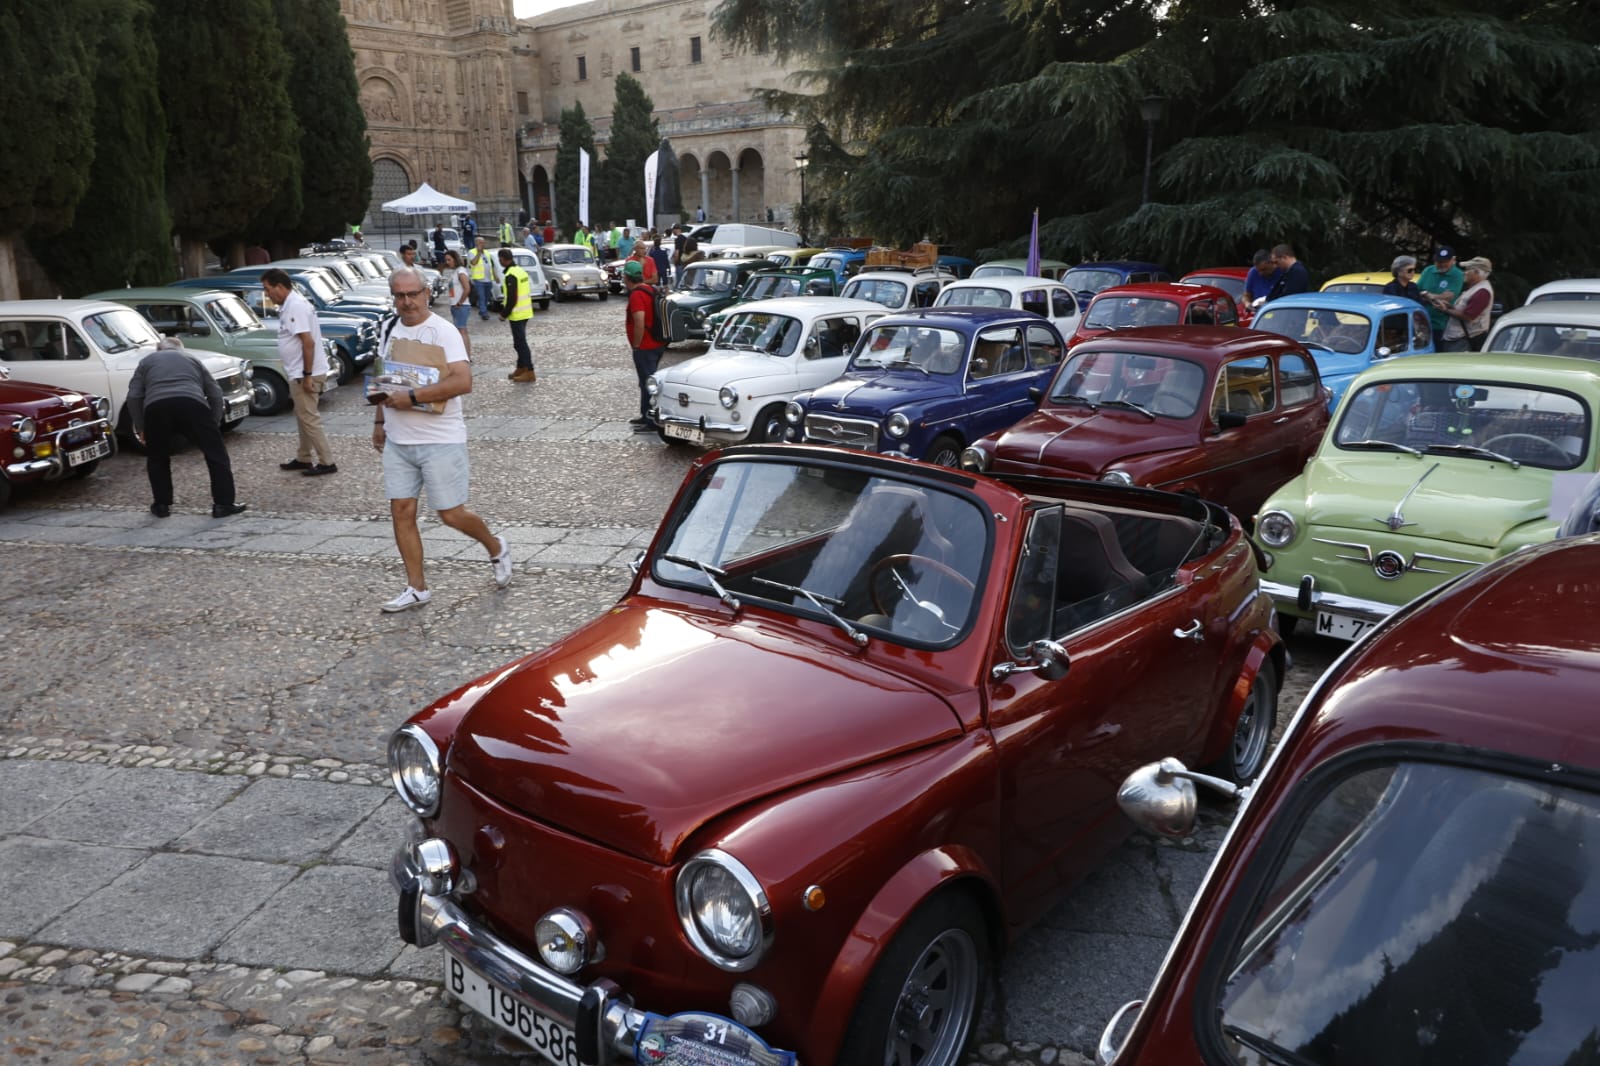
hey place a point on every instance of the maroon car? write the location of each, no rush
(1166, 303)
(1225, 414)
(48, 433)
(1230, 280)
(1416, 878)
(824, 760)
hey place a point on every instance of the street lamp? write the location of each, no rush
(800, 161)
(1152, 109)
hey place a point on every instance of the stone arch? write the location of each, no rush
(716, 183)
(391, 179)
(542, 198)
(750, 187)
(383, 99)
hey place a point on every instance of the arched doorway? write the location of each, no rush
(389, 182)
(539, 185)
(717, 184)
(750, 188)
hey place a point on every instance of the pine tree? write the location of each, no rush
(576, 133)
(635, 135)
(123, 215)
(232, 138)
(47, 133)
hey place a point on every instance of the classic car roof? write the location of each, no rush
(1198, 343)
(554, 247)
(1503, 659)
(1023, 263)
(1221, 272)
(1119, 264)
(1583, 313)
(1538, 371)
(159, 292)
(1162, 290)
(961, 318)
(1365, 303)
(1009, 282)
(58, 308)
(1369, 277)
(1565, 285)
(803, 306)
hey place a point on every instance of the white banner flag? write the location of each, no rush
(583, 186)
(652, 166)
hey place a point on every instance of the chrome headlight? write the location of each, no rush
(1275, 528)
(1117, 477)
(25, 429)
(724, 911)
(247, 368)
(728, 397)
(565, 939)
(415, 769)
(565, 277)
(974, 459)
(793, 413)
(897, 426)
(102, 406)
(652, 386)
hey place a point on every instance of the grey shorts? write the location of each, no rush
(442, 469)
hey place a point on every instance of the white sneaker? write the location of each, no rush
(408, 599)
(502, 564)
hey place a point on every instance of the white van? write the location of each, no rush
(714, 238)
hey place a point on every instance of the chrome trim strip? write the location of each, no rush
(1366, 610)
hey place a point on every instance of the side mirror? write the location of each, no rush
(1046, 658)
(813, 346)
(1383, 353)
(1229, 420)
(1036, 394)
(1160, 796)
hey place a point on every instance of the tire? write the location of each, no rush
(344, 367)
(544, 305)
(269, 393)
(944, 451)
(769, 426)
(943, 950)
(1252, 736)
(125, 432)
(557, 294)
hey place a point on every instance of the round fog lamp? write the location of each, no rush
(751, 1005)
(565, 938)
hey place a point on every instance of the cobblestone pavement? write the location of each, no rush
(194, 816)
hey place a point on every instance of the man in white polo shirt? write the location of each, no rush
(423, 449)
(305, 360)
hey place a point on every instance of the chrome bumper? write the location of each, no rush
(49, 468)
(1290, 599)
(733, 430)
(602, 1019)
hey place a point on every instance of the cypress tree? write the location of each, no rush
(123, 215)
(576, 133)
(47, 134)
(232, 138)
(635, 134)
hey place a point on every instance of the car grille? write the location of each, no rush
(846, 432)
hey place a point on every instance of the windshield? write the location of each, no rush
(366, 268)
(572, 256)
(230, 314)
(1157, 383)
(320, 286)
(1226, 282)
(931, 350)
(973, 296)
(1353, 286)
(995, 270)
(772, 286)
(708, 279)
(894, 559)
(1339, 331)
(1582, 342)
(890, 294)
(1424, 914)
(759, 332)
(1090, 280)
(827, 262)
(120, 331)
(1125, 312)
(1537, 427)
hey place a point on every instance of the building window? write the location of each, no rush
(633, 59)
(583, 68)
(694, 49)
(522, 103)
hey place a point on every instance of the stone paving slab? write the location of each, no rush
(32, 790)
(137, 808)
(289, 821)
(323, 920)
(39, 877)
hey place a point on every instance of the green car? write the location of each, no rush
(706, 288)
(1434, 465)
(775, 283)
(210, 320)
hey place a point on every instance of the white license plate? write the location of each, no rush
(692, 434)
(238, 410)
(94, 451)
(1341, 626)
(545, 1035)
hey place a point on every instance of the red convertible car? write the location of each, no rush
(1415, 881)
(1225, 414)
(856, 722)
(1154, 304)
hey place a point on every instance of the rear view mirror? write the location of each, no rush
(1036, 394)
(1161, 798)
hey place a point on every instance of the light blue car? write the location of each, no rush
(1346, 332)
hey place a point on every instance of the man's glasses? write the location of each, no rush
(411, 294)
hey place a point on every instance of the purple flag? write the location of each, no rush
(1033, 247)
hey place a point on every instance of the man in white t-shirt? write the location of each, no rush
(305, 360)
(422, 449)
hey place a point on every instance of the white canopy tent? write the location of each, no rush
(429, 201)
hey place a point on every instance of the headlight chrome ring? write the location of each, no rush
(897, 426)
(25, 429)
(714, 885)
(416, 769)
(1117, 477)
(728, 397)
(793, 413)
(1276, 528)
(974, 459)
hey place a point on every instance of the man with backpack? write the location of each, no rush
(646, 336)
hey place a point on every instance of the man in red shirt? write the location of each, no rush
(646, 349)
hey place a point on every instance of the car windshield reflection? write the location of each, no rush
(893, 559)
(887, 293)
(1338, 331)
(1125, 312)
(757, 332)
(924, 348)
(1580, 342)
(709, 279)
(1161, 385)
(120, 331)
(974, 296)
(1477, 420)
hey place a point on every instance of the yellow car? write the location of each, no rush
(792, 257)
(1370, 282)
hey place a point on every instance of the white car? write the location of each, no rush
(527, 260)
(766, 352)
(1045, 298)
(1549, 327)
(1566, 290)
(572, 269)
(94, 346)
(898, 290)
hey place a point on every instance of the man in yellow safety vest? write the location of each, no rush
(505, 233)
(485, 275)
(518, 310)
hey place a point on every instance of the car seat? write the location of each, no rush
(888, 519)
(16, 347)
(1093, 578)
(1179, 391)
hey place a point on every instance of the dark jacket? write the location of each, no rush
(171, 374)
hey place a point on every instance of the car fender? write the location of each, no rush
(1265, 644)
(879, 922)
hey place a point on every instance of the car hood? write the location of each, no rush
(712, 371)
(1085, 441)
(1464, 501)
(27, 399)
(876, 391)
(650, 721)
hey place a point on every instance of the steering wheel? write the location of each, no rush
(1543, 443)
(889, 562)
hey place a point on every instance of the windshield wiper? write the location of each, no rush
(1371, 443)
(906, 362)
(821, 604)
(1130, 405)
(1473, 449)
(712, 573)
(1262, 1046)
(1073, 397)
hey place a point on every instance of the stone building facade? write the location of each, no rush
(736, 158)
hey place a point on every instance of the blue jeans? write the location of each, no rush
(645, 362)
(482, 290)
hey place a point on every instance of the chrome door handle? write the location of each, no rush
(1195, 632)
(1280, 421)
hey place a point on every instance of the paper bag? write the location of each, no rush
(409, 365)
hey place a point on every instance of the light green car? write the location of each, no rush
(1434, 465)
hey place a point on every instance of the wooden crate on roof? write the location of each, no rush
(922, 254)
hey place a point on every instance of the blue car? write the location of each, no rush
(1346, 332)
(844, 262)
(925, 384)
(1087, 279)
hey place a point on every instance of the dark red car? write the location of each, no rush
(1225, 414)
(1416, 878)
(48, 433)
(1230, 280)
(854, 725)
(1167, 303)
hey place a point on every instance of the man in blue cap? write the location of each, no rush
(1441, 282)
